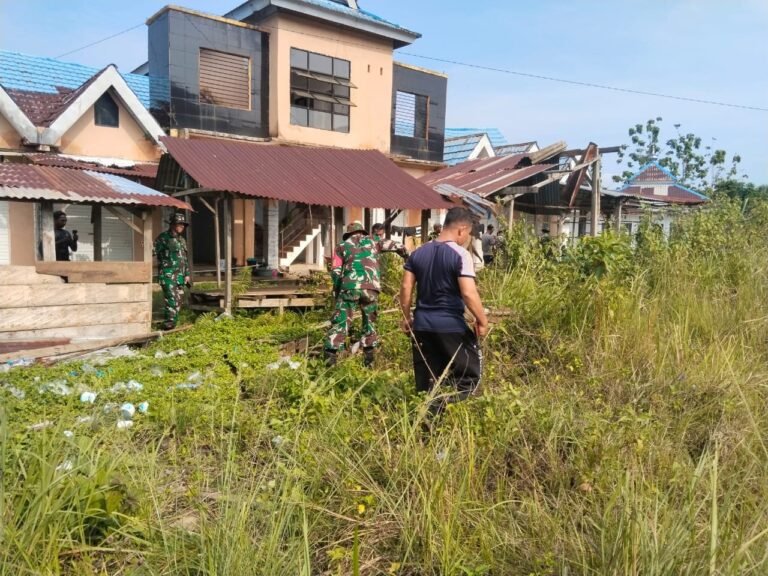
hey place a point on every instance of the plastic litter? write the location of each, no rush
(65, 466)
(68, 433)
(188, 386)
(109, 406)
(278, 441)
(15, 363)
(156, 371)
(16, 393)
(40, 425)
(88, 397)
(143, 407)
(161, 354)
(293, 365)
(84, 420)
(57, 387)
(101, 357)
(130, 386)
(123, 424)
(127, 411)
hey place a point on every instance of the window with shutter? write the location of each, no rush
(411, 115)
(225, 79)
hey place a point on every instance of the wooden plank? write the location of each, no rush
(97, 231)
(25, 275)
(70, 295)
(70, 348)
(15, 319)
(278, 303)
(77, 333)
(99, 272)
(47, 234)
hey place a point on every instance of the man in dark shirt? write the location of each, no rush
(444, 277)
(64, 240)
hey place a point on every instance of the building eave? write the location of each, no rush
(399, 36)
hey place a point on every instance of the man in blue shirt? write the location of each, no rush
(445, 349)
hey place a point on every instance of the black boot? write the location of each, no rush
(330, 357)
(368, 357)
(169, 325)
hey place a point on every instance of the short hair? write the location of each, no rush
(58, 214)
(377, 226)
(489, 228)
(456, 216)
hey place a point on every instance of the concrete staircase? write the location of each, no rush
(307, 236)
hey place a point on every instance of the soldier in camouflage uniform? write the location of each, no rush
(171, 251)
(387, 244)
(356, 283)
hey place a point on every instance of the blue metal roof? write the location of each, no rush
(497, 138)
(458, 149)
(39, 74)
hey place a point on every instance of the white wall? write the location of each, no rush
(117, 237)
(5, 235)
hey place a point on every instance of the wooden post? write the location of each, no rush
(97, 234)
(595, 195)
(146, 216)
(217, 231)
(511, 211)
(47, 234)
(618, 215)
(425, 226)
(333, 229)
(228, 254)
(189, 238)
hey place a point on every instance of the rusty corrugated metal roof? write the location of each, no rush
(136, 171)
(323, 176)
(28, 182)
(485, 176)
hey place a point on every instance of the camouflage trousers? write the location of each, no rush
(173, 295)
(346, 302)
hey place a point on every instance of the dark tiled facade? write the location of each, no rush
(435, 87)
(175, 40)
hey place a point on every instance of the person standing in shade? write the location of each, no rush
(173, 275)
(443, 275)
(436, 229)
(490, 242)
(64, 240)
(356, 284)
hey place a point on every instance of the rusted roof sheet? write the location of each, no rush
(28, 182)
(323, 176)
(135, 171)
(487, 176)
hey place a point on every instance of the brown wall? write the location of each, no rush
(21, 221)
(371, 72)
(9, 138)
(127, 141)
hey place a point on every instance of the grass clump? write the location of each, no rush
(620, 430)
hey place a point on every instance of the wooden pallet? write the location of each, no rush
(270, 297)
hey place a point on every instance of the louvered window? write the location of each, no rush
(320, 91)
(411, 115)
(225, 79)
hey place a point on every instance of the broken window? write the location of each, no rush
(411, 115)
(106, 112)
(320, 91)
(225, 79)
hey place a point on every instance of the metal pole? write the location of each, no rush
(228, 254)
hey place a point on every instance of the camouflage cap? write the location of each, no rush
(354, 228)
(178, 218)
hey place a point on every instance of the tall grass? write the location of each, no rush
(621, 430)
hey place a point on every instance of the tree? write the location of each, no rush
(693, 164)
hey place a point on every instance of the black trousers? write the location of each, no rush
(454, 360)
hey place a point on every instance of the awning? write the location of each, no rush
(322, 176)
(39, 183)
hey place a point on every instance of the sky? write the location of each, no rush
(705, 49)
